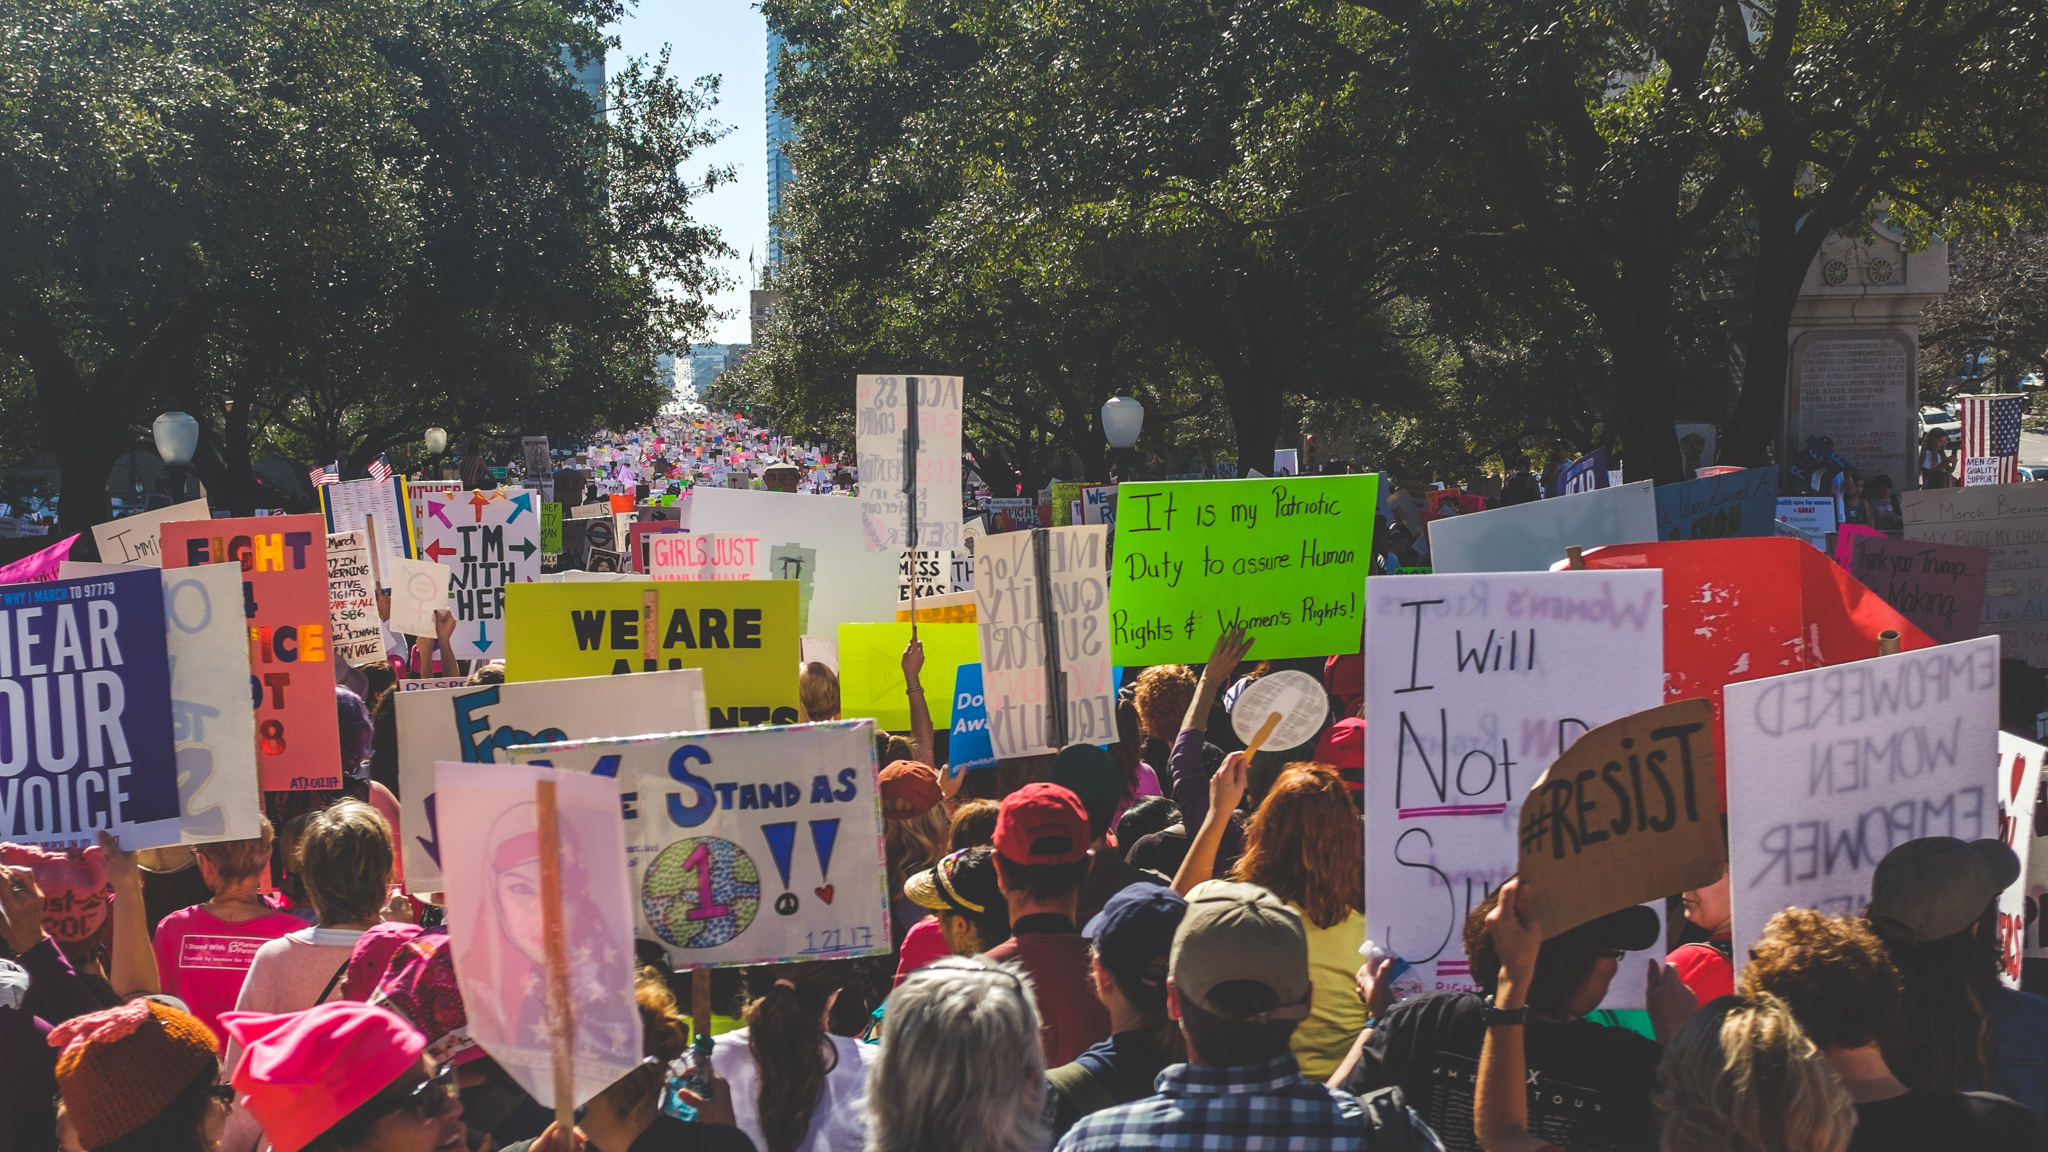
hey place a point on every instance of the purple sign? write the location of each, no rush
(1939, 587)
(1584, 474)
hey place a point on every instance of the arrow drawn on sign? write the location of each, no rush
(436, 511)
(521, 503)
(480, 502)
(525, 548)
(436, 550)
(483, 642)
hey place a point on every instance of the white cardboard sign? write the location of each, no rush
(1018, 642)
(417, 588)
(1531, 537)
(1474, 684)
(2019, 787)
(707, 556)
(815, 538)
(135, 539)
(488, 540)
(358, 636)
(882, 414)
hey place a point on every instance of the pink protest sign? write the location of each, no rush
(38, 567)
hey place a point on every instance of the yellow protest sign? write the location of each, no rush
(742, 633)
(871, 670)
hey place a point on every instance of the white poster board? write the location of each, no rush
(881, 421)
(749, 845)
(1474, 684)
(2019, 788)
(1831, 768)
(349, 505)
(418, 587)
(849, 584)
(707, 556)
(357, 635)
(477, 723)
(1531, 537)
(488, 539)
(493, 902)
(135, 539)
(1018, 642)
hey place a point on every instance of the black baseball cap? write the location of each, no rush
(1133, 935)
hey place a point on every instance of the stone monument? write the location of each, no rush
(1856, 351)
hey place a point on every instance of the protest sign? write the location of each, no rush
(533, 454)
(283, 561)
(707, 556)
(39, 566)
(1285, 558)
(1066, 497)
(742, 633)
(1098, 504)
(1696, 446)
(952, 608)
(1286, 461)
(1939, 587)
(939, 573)
(418, 587)
(2019, 790)
(871, 670)
(968, 745)
(1041, 607)
(1831, 768)
(1531, 537)
(551, 529)
(429, 684)
(808, 536)
(1814, 515)
(1586, 474)
(494, 893)
(489, 541)
(1299, 699)
(640, 533)
(2011, 521)
(134, 540)
(352, 600)
(349, 506)
(1630, 813)
(85, 713)
(899, 415)
(1846, 536)
(477, 723)
(1474, 684)
(724, 827)
(1741, 503)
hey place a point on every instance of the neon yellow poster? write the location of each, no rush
(871, 670)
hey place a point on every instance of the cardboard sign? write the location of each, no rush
(134, 539)
(939, 573)
(1814, 515)
(640, 535)
(1739, 503)
(477, 723)
(1830, 769)
(761, 846)
(533, 453)
(1098, 504)
(551, 529)
(1981, 470)
(85, 713)
(418, 587)
(707, 556)
(489, 541)
(882, 416)
(742, 633)
(1939, 587)
(2011, 521)
(1041, 606)
(283, 560)
(968, 745)
(807, 537)
(871, 670)
(1284, 558)
(2019, 790)
(1531, 537)
(952, 608)
(1630, 813)
(1586, 474)
(349, 505)
(1298, 697)
(493, 907)
(352, 600)
(1474, 684)
(39, 566)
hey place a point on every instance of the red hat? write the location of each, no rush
(302, 1072)
(909, 789)
(1042, 824)
(1343, 748)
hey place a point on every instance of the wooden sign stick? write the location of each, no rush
(370, 537)
(1888, 642)
(561, 1013)
(1573, 560)
(650, 611)
(1259, 738)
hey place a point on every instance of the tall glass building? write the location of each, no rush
(780, 133)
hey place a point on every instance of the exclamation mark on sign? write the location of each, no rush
(782, 846)
(824, 834)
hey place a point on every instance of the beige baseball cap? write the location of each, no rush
(1241, 932)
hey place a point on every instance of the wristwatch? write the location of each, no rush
(1511, 1017)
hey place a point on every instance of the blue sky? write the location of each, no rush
(727, 38)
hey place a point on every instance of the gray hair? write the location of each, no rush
(961, 1068)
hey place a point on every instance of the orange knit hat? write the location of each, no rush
(121, 1067)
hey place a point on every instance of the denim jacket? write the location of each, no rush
(2019, 1022)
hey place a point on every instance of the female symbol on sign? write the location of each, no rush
(701, 892)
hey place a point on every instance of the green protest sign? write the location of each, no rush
(1284, 557)
(551, 528)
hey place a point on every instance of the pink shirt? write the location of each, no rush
(925, 943)
(203, 959)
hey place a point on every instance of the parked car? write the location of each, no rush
(2033, 472)
(1932, 418)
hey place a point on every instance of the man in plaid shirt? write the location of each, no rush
(1238, 983)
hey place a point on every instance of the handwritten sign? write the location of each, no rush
(352, 601)
(1830, 769)
(820, 543)
(1630, 813)
(551, 529)
(761, 846)
(2011, 521)
(882, 411)
(1739, 503)
(418, 588)
(707, 556)
(1285, 558)
(134, 540)
(283, 560)
(1531, 537)
(2019, 790)
(1940, 587)
(489, 541)
(1474, 685)
(1041, 605)
(349, 505)
(479, 723)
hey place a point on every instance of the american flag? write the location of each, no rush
(329, 474)
(380, 469)
(1991, 429)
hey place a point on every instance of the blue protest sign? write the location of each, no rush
(1584, 474)
(969, 745)
(1718, 507)
(85, 713)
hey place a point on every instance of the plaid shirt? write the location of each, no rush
(1242, 1108)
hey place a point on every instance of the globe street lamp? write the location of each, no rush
(1122, 419)
(177, 437)
(437, 445)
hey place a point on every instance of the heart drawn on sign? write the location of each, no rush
(824, 893)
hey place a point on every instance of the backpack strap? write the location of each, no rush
(1079, 1088)
(1385, 1113)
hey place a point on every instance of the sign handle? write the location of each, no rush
(560, 1014)
(910, 491)
(1888, 642)
(376, 570)
(1260, 737)
(1573, 559)
(649, 610)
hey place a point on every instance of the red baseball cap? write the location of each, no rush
(1042, 824)
(1343, 748)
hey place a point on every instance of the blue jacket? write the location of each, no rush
(2019, 1022)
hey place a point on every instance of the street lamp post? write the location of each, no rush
(1122, 419)
(177, 437)
(437, 446)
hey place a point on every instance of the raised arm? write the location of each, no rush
(921, 739)
(1223, 660)
(134, 958)
(1226, 788)
(1500, 1110)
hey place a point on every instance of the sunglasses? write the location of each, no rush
(1611, 954)
(224, 1094)
(426, 1099)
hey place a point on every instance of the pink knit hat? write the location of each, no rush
(302, 1072)
(74, 885)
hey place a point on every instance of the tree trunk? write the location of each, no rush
(1785, 250)
(1255, 413)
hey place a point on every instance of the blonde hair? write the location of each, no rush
(234, 860)
(1742, 1077)
(345, 859)
(915, 844)
(817, 689)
